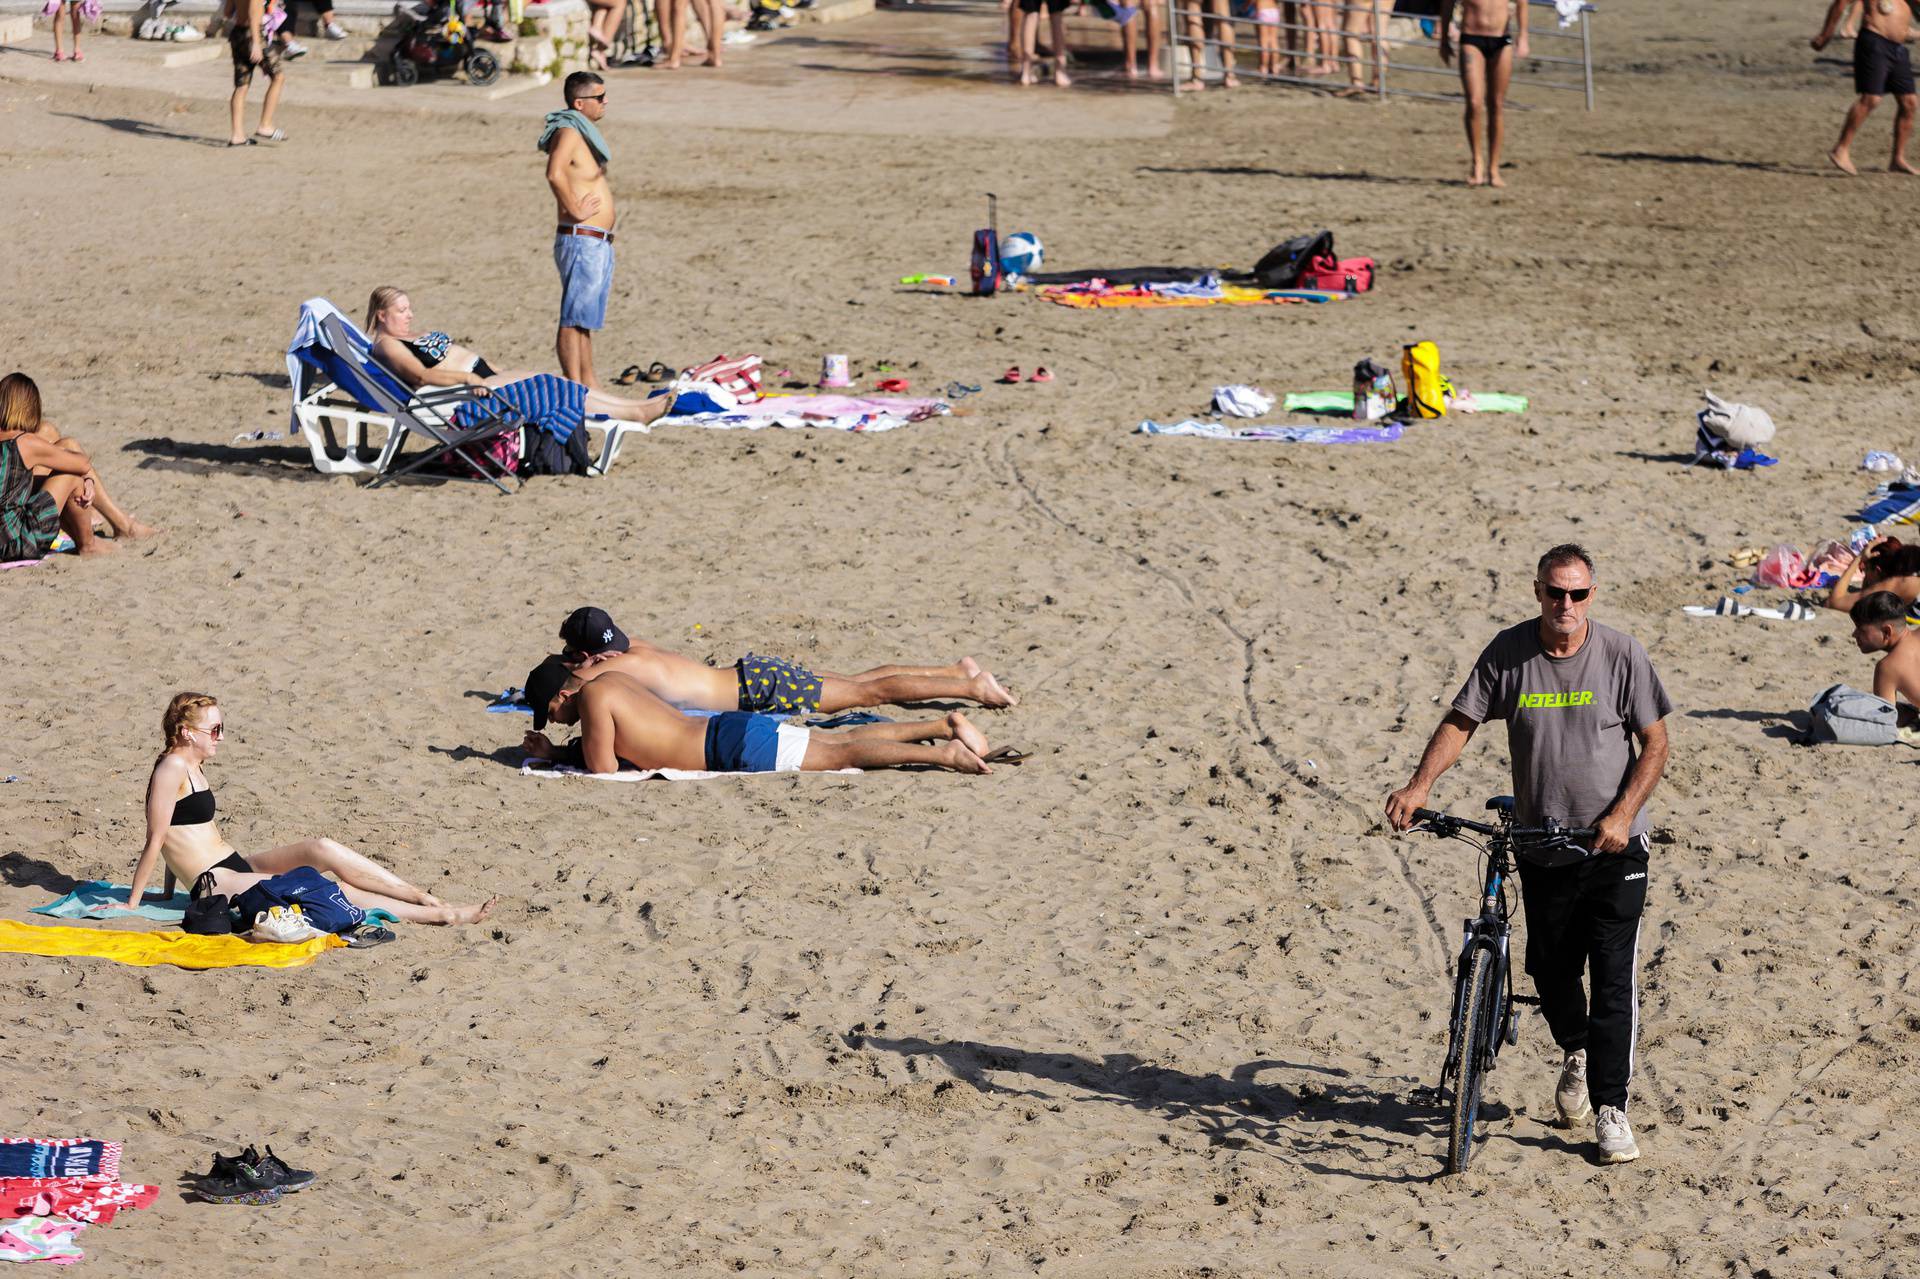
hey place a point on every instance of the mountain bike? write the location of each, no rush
(1483, 1000)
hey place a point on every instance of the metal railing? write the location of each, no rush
(1193, 25)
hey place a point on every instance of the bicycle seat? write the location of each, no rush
(1501, 804)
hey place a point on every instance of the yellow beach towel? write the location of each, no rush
(183, 950)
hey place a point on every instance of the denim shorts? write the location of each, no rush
(586, 277)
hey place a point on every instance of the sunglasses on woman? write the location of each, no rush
(214, 731)
(1577, 594)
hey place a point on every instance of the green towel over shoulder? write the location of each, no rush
(571, 119)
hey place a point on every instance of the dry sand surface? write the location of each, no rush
(1150, 1005)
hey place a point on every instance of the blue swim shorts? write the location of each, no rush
(586, 278)
(742, 742)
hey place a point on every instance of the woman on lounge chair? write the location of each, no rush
(1884, 565)
(47, 482)
(180, 828)
(434, 359)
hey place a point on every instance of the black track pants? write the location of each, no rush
(1585, 919)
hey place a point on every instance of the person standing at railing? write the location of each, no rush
(1881, 65)
(1361, 46)
(1487, 53)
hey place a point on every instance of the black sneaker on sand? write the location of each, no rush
(275, 1171)
(235, 1182)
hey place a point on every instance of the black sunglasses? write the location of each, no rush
(591, 97)
(1577, 594)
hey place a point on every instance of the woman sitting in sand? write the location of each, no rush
(1884, 564)
(434, 359)
(180, 828)
(47, 482)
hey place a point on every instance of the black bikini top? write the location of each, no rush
(195, 808)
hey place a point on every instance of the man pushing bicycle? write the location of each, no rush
(1586, 727)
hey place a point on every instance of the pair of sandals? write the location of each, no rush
(655, 372)
(257, 139)
(75, 56)
(1012, 375)
(1746, 557)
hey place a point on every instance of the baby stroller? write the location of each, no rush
(437, 42)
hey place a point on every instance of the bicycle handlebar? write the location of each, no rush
(1551, 833)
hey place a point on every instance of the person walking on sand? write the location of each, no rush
(1577, 697)
(577, 160)
(1486, 65)
(249, 24)
(1881, 65)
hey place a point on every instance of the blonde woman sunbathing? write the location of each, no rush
(180, 828)
(434, 359)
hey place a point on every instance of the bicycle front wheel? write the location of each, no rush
(1476, 1026)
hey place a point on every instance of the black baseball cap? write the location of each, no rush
(543, 681)
(590, 630)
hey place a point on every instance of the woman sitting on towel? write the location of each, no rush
(1884, 565)
(47, 482)
(181, 829)
(434, 359)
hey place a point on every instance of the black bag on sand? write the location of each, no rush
(210, 916)
(1281, 267)
(548, 456)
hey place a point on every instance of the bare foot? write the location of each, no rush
(1061, 80)
(1156, 73)
(958, 758)
(968, 667)
(97, 546)
(965, 733)
(1476, 179)
(1195, 84)
(1026, 76)
(1494, 179)
(988, 692)
(1133, 72)
(468, 914)
(1230, 81)
(136, 528)
(1900, 165)
(1843, 162)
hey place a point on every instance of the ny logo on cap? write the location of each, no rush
(606, 636)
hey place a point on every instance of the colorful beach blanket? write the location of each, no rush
(183, 950)
(98, 899)
(819, 412)
(58, 1156)
(1101, 295)
(93, 1200)
(1884, 507)
(1284, 434)
(1341, 402)
(48, 1239)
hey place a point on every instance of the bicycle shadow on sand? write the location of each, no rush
(1324, 1119)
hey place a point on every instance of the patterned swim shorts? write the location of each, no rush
(771, 686)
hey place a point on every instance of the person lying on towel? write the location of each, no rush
(765, 685)
(433, 359)
(622, 724)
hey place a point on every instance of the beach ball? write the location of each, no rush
(1020, 252)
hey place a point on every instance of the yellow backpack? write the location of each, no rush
(1427, 390)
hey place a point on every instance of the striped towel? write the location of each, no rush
(1892, 508)
(547, 401)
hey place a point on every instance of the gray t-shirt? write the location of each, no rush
(1570, 720)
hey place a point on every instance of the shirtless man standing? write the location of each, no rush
(767, 685)
(1881, 65)
(583, 242)
(1486, 65)
(622, 723)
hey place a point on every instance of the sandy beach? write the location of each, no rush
(1150, 1005)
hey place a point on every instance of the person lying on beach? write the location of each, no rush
(1884, 564)
(767, 685)
(1882, 624)
(181, 829)
(20, 411)
(622, 724)
(434, 359)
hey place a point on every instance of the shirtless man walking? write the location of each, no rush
(1486, 65)
(583, 242)
(1881, 65)
(767, 685)
(622, 723)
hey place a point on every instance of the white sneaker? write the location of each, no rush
(294, 49)
(335, 31)
(284, 924)
(1615, 1136)
(1570, 1094)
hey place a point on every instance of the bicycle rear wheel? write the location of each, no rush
(1476, 1026)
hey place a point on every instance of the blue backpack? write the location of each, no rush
(987, 269)
(318, 898)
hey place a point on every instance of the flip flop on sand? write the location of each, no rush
(1007, 755)
(1042, 374)
(658, 372)
(278, 135)
(1011, 375)
(959, 390)
(628, 376)
(1791, 611)
(892, 385)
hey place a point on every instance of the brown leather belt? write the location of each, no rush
(580, 228)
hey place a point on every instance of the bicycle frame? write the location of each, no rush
(1491, 931)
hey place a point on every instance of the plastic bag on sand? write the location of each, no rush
(1779, 567)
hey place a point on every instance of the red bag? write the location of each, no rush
(1338, 275)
